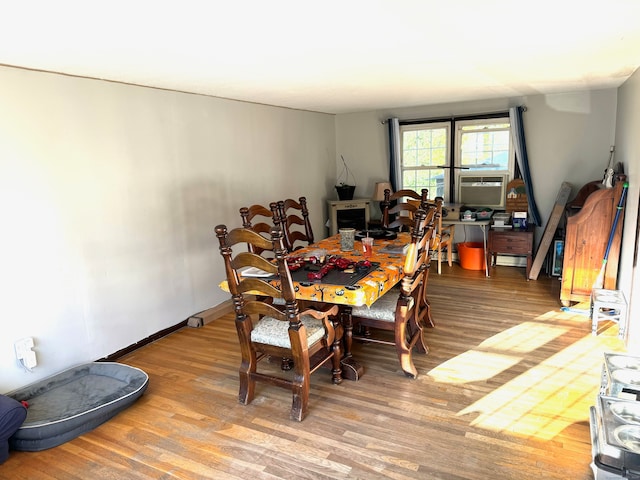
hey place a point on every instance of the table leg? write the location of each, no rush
(484, 241)
(351, 369)
(347, 324)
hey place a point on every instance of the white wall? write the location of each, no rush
(568, 139)
(109, 195)
(628, 152)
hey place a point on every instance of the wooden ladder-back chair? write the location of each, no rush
(266, 220)
(403, 310)
(444, 235)
(292, 213)
(398, 213)
(311, 338)
(261, 220)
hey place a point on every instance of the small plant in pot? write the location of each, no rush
(344, 188)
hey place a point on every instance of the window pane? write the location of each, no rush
(409, 180)
(422, 139)
(424, 147)
(485, 150)
(409, 158)
(429, 178)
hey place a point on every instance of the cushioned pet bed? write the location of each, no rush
(75, 401)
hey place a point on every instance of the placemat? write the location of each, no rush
(334, 277)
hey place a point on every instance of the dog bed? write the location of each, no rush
(75, 401)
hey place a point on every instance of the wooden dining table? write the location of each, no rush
(363, 291)
(387, 261)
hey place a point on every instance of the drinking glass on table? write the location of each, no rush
(347, 236)
(367, 247)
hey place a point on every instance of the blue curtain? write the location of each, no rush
(517, 135)
(394, 153)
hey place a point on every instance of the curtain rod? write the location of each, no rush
(453, 117)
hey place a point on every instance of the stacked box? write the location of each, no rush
(501, 219)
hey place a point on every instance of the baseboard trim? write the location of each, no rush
(504, 260)
(212, 313)
(143, 342)
(206, 315)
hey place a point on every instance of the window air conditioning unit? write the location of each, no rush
(478, 191)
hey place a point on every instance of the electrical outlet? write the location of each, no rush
(22, 346)
(24, 354)
(30, 359)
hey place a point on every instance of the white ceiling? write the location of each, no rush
(334, 56)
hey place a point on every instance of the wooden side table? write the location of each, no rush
(510, 241)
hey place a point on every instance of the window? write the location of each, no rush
(425, 157)
(433, 157)
(483, 145)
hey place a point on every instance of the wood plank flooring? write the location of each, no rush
(504, 393)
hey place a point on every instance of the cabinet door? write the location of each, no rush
(585, 244)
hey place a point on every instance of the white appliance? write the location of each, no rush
(478, 190)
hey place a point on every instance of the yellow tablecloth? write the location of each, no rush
(364, 292)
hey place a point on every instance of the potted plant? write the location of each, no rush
(344, 188)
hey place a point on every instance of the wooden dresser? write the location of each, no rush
(510, 241)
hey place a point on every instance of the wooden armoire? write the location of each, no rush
(589, 220)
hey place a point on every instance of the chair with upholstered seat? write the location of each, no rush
(261, 220)
(293, 213)
(403, 310)
(310, 338)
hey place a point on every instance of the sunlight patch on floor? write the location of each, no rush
(523, 338)
(473, 366)
(545, 399)
(496, 354)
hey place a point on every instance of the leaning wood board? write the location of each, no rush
(550, 230)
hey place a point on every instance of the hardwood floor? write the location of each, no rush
(504, 393)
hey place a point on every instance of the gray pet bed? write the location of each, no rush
(75, 401)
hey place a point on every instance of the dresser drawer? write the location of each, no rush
(510, 242)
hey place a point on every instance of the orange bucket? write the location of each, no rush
(471, 255)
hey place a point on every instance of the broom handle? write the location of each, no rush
(625, 186)
(599, 282)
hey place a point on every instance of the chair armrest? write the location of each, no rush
(320, 314)
(332, 331)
